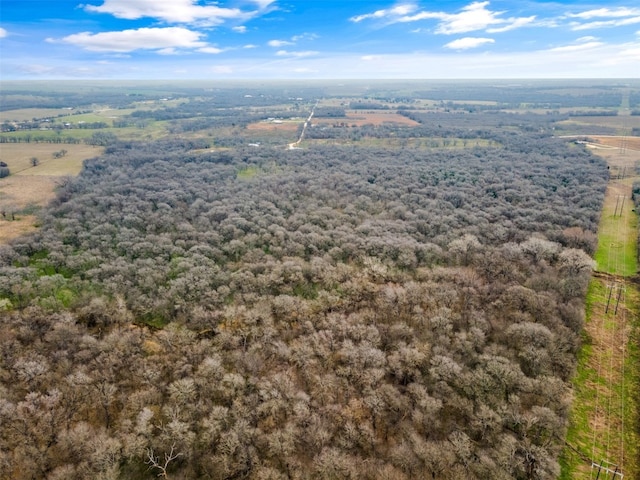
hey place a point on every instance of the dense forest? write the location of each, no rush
(337, 311)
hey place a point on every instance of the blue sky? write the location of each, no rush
(297, 39)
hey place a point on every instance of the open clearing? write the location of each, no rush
(26, 114)
(604, 409)
(281, 126)
(20, 193)
(359, 118)
(617, 121)
(29, 188)
(629, 143)
(18, 157)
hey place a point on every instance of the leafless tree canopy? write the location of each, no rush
(332, 312)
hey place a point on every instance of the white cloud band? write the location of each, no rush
(140, 39)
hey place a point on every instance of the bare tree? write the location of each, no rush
(154, 462)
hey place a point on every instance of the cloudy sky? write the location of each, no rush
(296, 39)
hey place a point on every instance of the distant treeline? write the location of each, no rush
(534, 96)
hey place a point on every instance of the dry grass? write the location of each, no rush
(360, 118)
(22, 191)
(18, 193)
(16, 228)
(285, 126)
(18, 157)
(28, 187)
(629, 143)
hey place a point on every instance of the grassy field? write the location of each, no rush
(617, 232)
(29, 188)
(626, 142)
(23, 196)
(152, 131)
(18, 157)
(359, 118)
(286, 126)
(604, 413)
(26, 114)
(620, 122)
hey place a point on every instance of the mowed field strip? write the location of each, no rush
(604, 408)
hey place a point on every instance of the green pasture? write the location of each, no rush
(56, 136)
(616, 253)
(580, 439)
(27, 114)
(151, 131)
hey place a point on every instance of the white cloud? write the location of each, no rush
(468, 42)
(167, 51)
(631, 53)
(3, 32)
(239, 29)
(396, 11)
(606, 18)
(584, 43)
(586, 39)
(173, 11)
(475, 16)
(212, 50)
(279, 43)
(140, 39)
(299, 54)
(304, 36)
(605, 23)
(513, 24)
(294, 39)
(607, 13)
(250, 45)
(263, 3)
